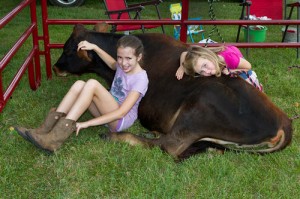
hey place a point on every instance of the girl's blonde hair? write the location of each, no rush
(196, 52)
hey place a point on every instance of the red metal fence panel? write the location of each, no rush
(32, 62)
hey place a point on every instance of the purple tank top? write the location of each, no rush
(124, 83)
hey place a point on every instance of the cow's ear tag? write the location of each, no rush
(84, 55)
(101, 27)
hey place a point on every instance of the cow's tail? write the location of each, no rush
(281, 140)
(276, 143)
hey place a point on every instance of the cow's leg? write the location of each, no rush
(176, 145)
(172, 145)
(129, 138)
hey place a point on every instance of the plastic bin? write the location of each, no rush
(256, 33)
(291, 35)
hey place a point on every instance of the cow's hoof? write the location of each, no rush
(104, 136)
(148, 135)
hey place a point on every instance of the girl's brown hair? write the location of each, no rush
(196, 52)
(132, 42)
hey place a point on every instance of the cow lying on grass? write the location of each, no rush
(193, 113)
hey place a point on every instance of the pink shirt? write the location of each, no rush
(231, 56)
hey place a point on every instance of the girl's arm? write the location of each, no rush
(117, 114)
(243, 65)
(180, 70)
(85, 45)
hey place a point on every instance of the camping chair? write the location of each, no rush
(118, 9)
(175, 10)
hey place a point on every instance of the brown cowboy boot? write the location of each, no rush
(46, 127)
(52, 141)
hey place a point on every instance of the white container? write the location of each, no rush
(291, 35)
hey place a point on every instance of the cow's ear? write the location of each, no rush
(84, 55)
(78, 30)
(101, 27)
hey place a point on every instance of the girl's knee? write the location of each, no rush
(79, 83)
(77, 86)
(92, 83)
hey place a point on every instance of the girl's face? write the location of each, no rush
(127, 59)
(204, 67)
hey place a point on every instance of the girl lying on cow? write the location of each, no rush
(215, 61)
(117, 108)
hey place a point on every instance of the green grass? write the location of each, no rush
(88, 167)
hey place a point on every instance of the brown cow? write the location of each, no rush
(193, 113)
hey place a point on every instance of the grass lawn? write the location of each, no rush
(88, 167)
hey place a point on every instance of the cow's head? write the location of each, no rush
(72, 61)
(78, 62)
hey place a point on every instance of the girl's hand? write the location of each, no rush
(79, 126)
(225, 71)
(85, 45)
(179, 73)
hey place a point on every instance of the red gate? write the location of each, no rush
(32, 62)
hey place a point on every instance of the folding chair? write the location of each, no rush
(118, 9)
(175, 10)
(245, 5)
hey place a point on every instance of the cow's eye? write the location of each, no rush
(68, 52)
(70, 47)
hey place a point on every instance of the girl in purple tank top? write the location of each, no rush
(215, 61)
(117, 108)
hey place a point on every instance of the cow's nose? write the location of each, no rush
(59, 72)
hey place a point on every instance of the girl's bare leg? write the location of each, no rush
(70, 98)
(93, 95)
(94, 110)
